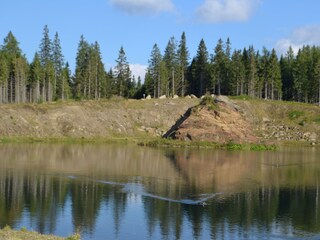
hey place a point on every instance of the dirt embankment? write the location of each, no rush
(253, 121)
(237, 121)
(91, 119)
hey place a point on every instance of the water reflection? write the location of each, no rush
(142, 193)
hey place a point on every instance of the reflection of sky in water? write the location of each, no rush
(140, 193)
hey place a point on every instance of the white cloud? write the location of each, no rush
(217, 11)
(143, 6)
(307, 35)
(138, 70)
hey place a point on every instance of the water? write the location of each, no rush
(130, 192)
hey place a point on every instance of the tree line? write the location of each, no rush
(258, 74)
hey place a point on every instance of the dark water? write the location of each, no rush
(130, 192)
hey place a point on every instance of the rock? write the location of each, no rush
(188, 96)
(148, 97)
(193, 96)
(175, 96)
(313, 137)
(266, 120)
(163, 97)
(306, 136)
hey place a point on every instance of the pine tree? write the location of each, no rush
(183, 58)
(237, 74)
(201, 70)
(219, 68)
(4, 76)
(170, 59)
(154, 70)
(287, 64)
(122, 74)
(58, 63)
(46, 59)
(276, 85)
(317, 78)
(35, 77)
(16, 71)
(45, 47)
(66, 83)
(81, 72)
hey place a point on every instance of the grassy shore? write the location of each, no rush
(147, 142)
(9, 234)
(207, 145)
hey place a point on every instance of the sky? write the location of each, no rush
(138, 24)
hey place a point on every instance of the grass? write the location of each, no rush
(24, 234)
(295, 114)
(207, 145)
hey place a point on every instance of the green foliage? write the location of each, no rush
(317, 120)
(295, 114)
(205, 144)
(74, 237)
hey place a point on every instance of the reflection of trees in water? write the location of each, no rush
(44, 196)
(37, 195)
(285, 195)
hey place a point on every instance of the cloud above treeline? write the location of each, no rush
(307, 35)
(219, 11)
(209, 11)
(136, 7)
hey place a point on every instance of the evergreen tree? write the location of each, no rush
(66, 83)
(199, 83)
(58, 63)
(170, 59)
(275, 75)
(122, 74)
(219, 67)
(183, 58)
(317, 78)
(47, 84)
(287, 64)
(154, 70)
(45, 47)
(237, 74)
(35, 77)
(4, 76)
(81, 72)
(15, 67)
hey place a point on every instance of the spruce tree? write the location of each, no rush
(35, 78)
(170, 59)
(122, 74)
(58, 62)
(81, 71)
(201, 70)
(154, 70)
(183, 58)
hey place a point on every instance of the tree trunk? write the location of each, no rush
(173, 92)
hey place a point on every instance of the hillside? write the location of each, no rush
(225, 121)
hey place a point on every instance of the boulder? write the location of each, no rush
(188, 97)
(163, 97)
(148, 97)
(193, 96)
(175, 96)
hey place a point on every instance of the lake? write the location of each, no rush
(107, 191)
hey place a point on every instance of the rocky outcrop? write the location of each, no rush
(220, 122)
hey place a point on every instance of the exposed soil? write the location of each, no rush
(222, 123)
(237, 121)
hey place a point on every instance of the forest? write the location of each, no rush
(257, 74)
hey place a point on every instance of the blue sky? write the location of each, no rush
(138, 24)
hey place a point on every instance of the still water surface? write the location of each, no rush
(130, 192)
